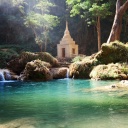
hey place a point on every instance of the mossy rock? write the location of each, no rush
(112, 53)
(81, 69)
(110, 72)
(36, 70)
(17, 65)
(115, 52)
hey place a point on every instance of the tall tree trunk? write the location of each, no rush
(117, 24)
(99, 33)
(40, 47)
(45, 47)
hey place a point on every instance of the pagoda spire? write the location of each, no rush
(66, 25)
(66, 33)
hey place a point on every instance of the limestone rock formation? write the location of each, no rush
(115, 52)
(17, 65)
(36, 70)
(109, 72)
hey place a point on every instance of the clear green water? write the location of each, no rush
(61, 104)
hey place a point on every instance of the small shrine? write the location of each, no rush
(67, 47)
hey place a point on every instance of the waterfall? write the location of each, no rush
(2, 76)
(5, 75)
(67, 74)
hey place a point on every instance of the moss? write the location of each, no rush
(44, 56)
(26, 57)
(115, 52)
(36, 71)
(109, 72)
(78, 58)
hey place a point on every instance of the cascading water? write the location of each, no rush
(7, 75)
(67, 74)
(2, 76)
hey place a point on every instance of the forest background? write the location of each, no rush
(16, 35)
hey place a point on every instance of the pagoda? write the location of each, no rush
(67, 47)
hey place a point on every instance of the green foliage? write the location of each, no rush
(44, 6)
(44, 56)
(78, 58)
(41, 22)
(16, 48)
(124, 68)
(6, 55)
(90, 9)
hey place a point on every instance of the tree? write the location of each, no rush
(41, 22)
(93, 11)
(117, 24)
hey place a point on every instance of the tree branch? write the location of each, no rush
(124, 7)
(118, 5)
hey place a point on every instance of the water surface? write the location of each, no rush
(61, 104)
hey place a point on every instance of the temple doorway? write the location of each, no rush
(63, 52)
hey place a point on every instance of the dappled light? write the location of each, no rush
(63, 64)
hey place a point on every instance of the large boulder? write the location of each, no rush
(59, 73)
(83, 68)
(110, 71)
(36, 70)
(112, 53)
(18, 65)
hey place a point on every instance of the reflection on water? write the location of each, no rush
(61, 104)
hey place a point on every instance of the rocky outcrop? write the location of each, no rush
(82, 69)
(36, 70)
(18, 65)
(115, 52)
(110, 72)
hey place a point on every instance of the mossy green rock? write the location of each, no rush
(112, 53)
(17, 65)
(110, 72)
(36, 70)
(115, 52)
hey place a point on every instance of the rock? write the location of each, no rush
(59, 73)
(109, 72)
(115, 52)
(18, 65)
(123, 76)
(81, 69)
(36, 70)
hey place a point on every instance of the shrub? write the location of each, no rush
(78, 58)
(6, 55)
